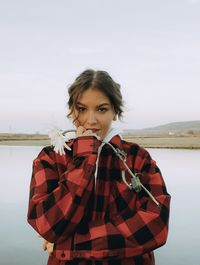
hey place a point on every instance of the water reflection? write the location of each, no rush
(20, 244)
(180, 169)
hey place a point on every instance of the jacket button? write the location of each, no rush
(89, 170)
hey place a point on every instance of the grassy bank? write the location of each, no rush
(24, 139)
(181, 142)
(162, 141)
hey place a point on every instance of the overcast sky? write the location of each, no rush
(152, 48)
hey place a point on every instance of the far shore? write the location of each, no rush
(162, 141)
(189, 142)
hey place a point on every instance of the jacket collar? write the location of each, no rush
(114, 137)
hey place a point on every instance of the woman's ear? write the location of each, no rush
(115, 118)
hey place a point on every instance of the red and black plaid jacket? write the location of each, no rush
(100, 218)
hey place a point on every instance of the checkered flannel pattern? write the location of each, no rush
(98, 220)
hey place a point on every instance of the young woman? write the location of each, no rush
(103, 200)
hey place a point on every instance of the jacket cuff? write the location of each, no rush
(85, 145)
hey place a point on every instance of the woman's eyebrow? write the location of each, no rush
(104, 104)
(101, 105)
(79, 103)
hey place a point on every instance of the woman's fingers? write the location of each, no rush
(44, 245)
(81, 131)
(48, 246)
(90, 133)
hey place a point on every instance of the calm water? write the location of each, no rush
(20, 244)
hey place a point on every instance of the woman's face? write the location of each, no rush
(94, 111)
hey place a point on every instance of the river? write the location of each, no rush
(20, 245)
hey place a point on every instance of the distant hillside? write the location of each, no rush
(186, 127)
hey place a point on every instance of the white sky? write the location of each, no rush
(152, 48)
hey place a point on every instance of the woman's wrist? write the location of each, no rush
(84, 145)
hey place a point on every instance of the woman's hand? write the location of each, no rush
(81, 131)
(48, 246)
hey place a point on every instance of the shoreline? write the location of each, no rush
(187, 142)
(179, 142)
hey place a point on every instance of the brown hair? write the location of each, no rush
(100, 80)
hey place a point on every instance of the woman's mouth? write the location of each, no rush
(94, 130)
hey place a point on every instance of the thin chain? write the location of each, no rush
(135, 181)
(136, 184)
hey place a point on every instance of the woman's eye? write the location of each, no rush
(81, 109)
(102, 109)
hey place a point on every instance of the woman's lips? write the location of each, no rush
(94, 130)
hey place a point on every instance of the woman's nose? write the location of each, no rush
(91, 119)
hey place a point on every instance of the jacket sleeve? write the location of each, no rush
(57, 203)
(146, 226)
(133, 228)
